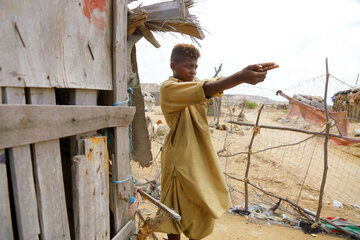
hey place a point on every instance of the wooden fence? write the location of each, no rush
(63, 64)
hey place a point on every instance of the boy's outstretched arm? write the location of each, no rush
(252, 74)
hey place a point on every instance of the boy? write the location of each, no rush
(192, 182)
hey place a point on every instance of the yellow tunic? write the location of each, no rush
(192, 182)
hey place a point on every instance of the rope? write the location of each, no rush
(129, 101)
(124, 180)
(256, 130)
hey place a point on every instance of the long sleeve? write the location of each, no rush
(175, 95)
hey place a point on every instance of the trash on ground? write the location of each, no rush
(337, 204)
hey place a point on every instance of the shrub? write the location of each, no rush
(251, 105)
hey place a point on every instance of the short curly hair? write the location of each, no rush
(183, 50)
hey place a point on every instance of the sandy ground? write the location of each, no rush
(238, 228)
(291, 172)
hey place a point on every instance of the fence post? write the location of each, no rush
(256, 130)
(325, 146)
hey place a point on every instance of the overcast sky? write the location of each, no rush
(297, 35)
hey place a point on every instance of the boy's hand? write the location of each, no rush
(252, 74)
(266, 66)
(256, 73)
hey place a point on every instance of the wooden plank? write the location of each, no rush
(5, 213)
(6, 231)
(24, 124)
(77, 97)
(80, 195)
(163, 11)
(23, 179)
(90, 173)
(24, 192)
(161, 206)
(126, 231)
(49, 179)
(81, 97)
(121, 165)
(56, 44)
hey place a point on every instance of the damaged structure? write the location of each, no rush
(348, 101)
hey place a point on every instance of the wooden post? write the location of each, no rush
(5, 213)
(77, 97)
(21, 170)
(322, 187)
(121, 165)
(5, 220)
(216, 104)
(90, 174)
(49, 179)
(256, 130)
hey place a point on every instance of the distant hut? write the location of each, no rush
(348, 101)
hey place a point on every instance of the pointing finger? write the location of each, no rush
(268, 66)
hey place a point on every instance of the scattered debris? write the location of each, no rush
(282, 120)
(312, 197)
(308, 228)
(337, 204)
(357, 132)
(342, 222)
(357, 206)
(267, 214)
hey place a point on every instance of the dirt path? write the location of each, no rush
(231, 227)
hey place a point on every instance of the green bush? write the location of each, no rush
(251, 105)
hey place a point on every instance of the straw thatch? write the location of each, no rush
(171, 16)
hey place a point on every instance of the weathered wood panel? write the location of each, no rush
(24, 192)
(121, 168)
(77, 97)
(90, 173)
(5, 213)
(56, 43)
(22, 179)
(49, 179)
(6, 231)
(24, 124)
